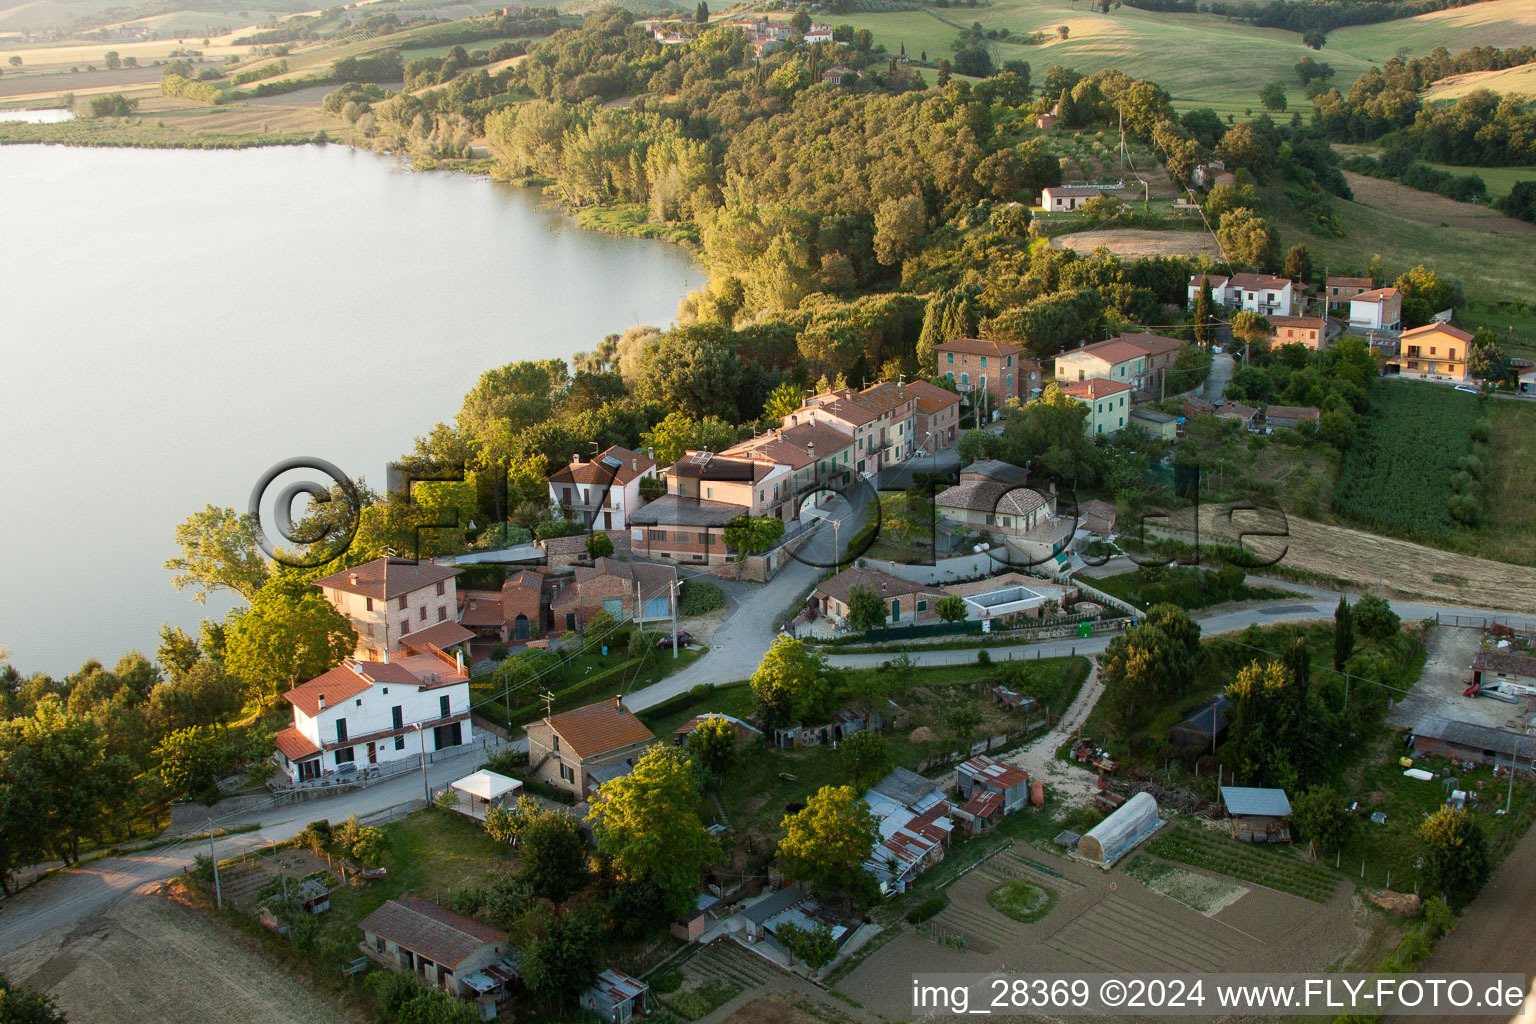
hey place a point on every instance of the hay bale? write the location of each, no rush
(1397, 902)
(922, 734)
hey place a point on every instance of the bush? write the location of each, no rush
(113, 105)
(928, 908)
(699, 597)
(186, 88)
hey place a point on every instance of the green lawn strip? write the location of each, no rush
(1271, 868)
(1022, 900)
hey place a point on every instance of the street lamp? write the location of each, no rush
(425, 787)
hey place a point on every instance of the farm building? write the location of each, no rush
(981, 774)
(1479, 744)
(1119, 833)
(1258, 815)
(616, 998)
(1490, 667)
(914, 828)
(444, 949)
(1204, 727)
(1068, 197)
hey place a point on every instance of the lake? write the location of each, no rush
(54, 116)
(175, 322)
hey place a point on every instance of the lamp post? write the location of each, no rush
(425, 787)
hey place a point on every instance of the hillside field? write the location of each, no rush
(1201, 59)
(1509, 80)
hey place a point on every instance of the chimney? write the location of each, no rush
(618, 702)
(650, 453)
(1053, 486)
(458, 656)
(354, 579)
(322, 701)
(634, 465)
(575, 458)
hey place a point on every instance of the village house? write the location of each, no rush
(1213, 173)
(1113, 360)
(744, 731)
(1491, 667)
(1309, 331)
(845, 723)
(1237, 412)
(522, 606)
(1265, 294)
(1435, 351)
(905, 601)
(442, 949)
(817, 456)
(913, 817)
(996, 369)
(581, 749)
(982, 774)
(616, 997)
(1278, 417)
(1339, 290)
(1157, 424)
(363, 713)
(789, 906)
(835, 74)
(938, 416)
(1009, 512)
(1160, 353)
(599, 493)
(706, 491)
(1108, 403)
(1527, 377)
(1046, 121)
(1480, 744)
(818, 33)
(628, 591)
(1204, 727)
(1378, 310)
(881, 420)
(1220, 289)
(387, 599)
(1258, 815)
(1067, 198)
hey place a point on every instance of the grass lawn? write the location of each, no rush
(1022, 900)
(1511, 486)
(907, 528)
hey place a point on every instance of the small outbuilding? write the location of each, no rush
(1258, 814)
(485, 788)
(1121, 832)
(1205, 727)
(616, 997)
(981, 774)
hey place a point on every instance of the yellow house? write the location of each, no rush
(1116, 359)
(1108, 402)
(1434, 352)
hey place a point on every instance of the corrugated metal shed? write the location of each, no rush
(1256, 800)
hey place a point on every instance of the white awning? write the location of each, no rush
(487, 785)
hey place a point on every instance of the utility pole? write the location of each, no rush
(672, 589)
(426, 788)
(1513, 761)
(218, 890)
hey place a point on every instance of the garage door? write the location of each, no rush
(657, 608)
(614, 606)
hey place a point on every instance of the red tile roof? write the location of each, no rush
(1437, 328)
(345, 681)
(442, 635)
(1349, 282)
(294, 745)
(599, 728)
(387, 577)
(482, 611)
(979, 347)
(430, 930)
(1378, 295)
(931, 398)
(1314, 322)
(1115, 350)
(884, 584)
(795, 447)
(614, 466)
(1094, 387)
(1253, 282)
(1152, 344)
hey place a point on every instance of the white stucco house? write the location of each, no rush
(604, 492)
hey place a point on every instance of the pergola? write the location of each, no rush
(485, 788)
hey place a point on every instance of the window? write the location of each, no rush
(709, 492)
(442, 614)
(405, 626)
(401, 603)
(965, 378)
(358, 702)
(397, 716)
(949, 375)
(922, 606)
(400, 742)
(704, 538)
(567, 774)
(1010, 380)
(341, 730)
(344, 756)
(1007, 363)
(983, 362)
(1079, 374)
(657, 534)
(423, 615)
(442, 589)
(442, 705)
(951, 360)
(368, 602)
(556, 747)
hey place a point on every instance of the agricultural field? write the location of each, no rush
(1138, 243)
(1498, 179)
(1249, 862)
(1152, 45)
(1398, 472)
(1520, 80)
(1430, 208)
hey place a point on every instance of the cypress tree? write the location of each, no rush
(1343, 633)
(1204, 305)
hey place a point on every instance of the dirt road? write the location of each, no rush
(1038, 757)
(152, 960)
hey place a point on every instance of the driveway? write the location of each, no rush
(1221, 376)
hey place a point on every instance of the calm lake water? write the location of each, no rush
(173, 323)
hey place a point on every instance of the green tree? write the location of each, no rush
(1343, 633)
(177, 652)
(1456, 860)
(1267, 722)
(23, 1005)
(814, 947)
(792, 681)
(1252, 330)
(800, 21)
(825, 844)
(866, 610)
(282, 640)
(113, 104)
(599, 545)
(864, 759)
(785, 398)
(1272, 95)
(114, 60)
(219, 552)
(1246, 238)
(561, 960)
(553, 855)
(1374, 618)
(1323, 820)
(1205, 312)
(701, 12)
(1298, 264)
(951, 608)
(680, 433)
(712, 745)
(900, 224)
(648, 823)
(1315, 38)
(191, 760)
(753, 534)
(1485, 359)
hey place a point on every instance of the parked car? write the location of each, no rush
(665, 640)
(1468, 388)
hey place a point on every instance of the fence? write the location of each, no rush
(1522, 623)
(1107, 599)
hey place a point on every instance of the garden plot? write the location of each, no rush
(1201, 893)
